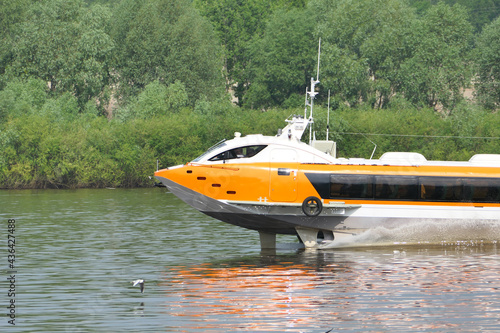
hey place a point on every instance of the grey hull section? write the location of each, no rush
(279, 224)
(267, 218)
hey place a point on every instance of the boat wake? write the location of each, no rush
(445, 233)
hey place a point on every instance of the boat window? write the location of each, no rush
(351, 186)
(428, 188)
(441, 189)
(240, 152)
(396, 188)
(482, 189)
(210, 150)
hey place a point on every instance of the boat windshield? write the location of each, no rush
(211, 149)
(240, 152)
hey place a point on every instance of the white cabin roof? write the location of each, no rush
(304, 153)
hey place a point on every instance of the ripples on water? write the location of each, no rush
(78, 251)
(442, 233)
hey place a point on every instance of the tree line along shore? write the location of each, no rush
(93, 94)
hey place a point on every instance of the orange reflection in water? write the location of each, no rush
(372, 290)
(278, 293)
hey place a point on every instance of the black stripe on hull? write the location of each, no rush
(321, 183)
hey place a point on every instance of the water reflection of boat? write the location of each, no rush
(268, 294)
(383, 289)
(280, 185)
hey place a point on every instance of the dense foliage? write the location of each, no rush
(66, 45)
(166, 41)
(93, 93)
(488, 62)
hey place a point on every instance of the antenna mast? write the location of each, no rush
(297, 125)
(328, 117)
(319, 53)
(312, 93)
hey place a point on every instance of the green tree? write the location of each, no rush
(22, 97)
(166, 41)
(488, 65)
(236, 23)
(438, 65)
(363, 47)
(384, 47)
(156, 100)
(421, 5)
(481, 12)
(11, 13)
(283, 60)
(65, 44)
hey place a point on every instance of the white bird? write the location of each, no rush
(139, 282)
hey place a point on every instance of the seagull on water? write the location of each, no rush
(139, 282)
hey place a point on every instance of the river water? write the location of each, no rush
(77, 251)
